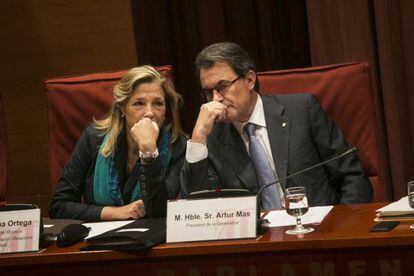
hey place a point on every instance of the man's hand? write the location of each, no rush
(210, 113)
(145, 133)
(134, 210)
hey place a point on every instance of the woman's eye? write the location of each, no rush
(138, 104)
(159, 104)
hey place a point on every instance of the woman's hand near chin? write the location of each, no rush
(134, 210)
(145, 132)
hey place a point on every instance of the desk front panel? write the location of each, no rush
(341, 245)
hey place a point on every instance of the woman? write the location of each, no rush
(127, 165)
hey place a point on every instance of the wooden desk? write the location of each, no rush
(341, 245)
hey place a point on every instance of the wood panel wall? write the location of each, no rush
(44, 39)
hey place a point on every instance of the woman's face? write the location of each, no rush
(147, 101)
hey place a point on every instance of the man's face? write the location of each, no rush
(221, 84)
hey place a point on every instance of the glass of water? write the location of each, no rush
(410, 193)
(296, 204)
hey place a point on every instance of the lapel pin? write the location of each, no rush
(284, 124)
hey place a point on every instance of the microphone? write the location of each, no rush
(262, 223)
(70, 234)
(352, 150)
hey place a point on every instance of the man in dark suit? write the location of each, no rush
(292, 132)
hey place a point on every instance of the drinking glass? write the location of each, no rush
(296, 204)
(410, 192)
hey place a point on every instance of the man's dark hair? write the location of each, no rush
(228, 52)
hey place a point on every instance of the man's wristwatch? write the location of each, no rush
(147, 156)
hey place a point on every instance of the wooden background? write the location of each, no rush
(48, 38)
(44, 39)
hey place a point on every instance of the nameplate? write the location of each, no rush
(19, 230)
(211, 219)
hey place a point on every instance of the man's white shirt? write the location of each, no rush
(196, 152)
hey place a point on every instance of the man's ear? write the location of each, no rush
(251, 79)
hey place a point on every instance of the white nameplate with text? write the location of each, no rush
(211, 219)
(19, 230)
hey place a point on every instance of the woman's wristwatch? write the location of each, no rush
(147, 156)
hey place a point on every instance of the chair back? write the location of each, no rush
(345, 92)
(4, 157)
(72, 103)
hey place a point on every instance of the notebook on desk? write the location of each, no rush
(398, 210)
(137, 235)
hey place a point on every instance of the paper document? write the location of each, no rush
(133, 230)
(314, 215)
(399, 207)
(98, 228)
(399, 210)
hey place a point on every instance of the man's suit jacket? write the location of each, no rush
(301, 134)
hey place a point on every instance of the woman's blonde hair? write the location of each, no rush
(123, 90)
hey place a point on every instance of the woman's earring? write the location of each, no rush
(123, 115)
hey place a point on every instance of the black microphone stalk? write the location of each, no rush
(352, 150)
(259, 226)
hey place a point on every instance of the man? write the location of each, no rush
(239, 132)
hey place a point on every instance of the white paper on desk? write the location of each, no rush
(399, 207)
(314, 215)
(98, 228)
(133, 230)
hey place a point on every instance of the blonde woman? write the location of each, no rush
(127, 165)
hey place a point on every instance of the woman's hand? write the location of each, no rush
(134, 210)
(145, 133)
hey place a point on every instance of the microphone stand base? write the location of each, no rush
(262, 226)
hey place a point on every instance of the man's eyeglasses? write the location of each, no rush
(222, 87)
